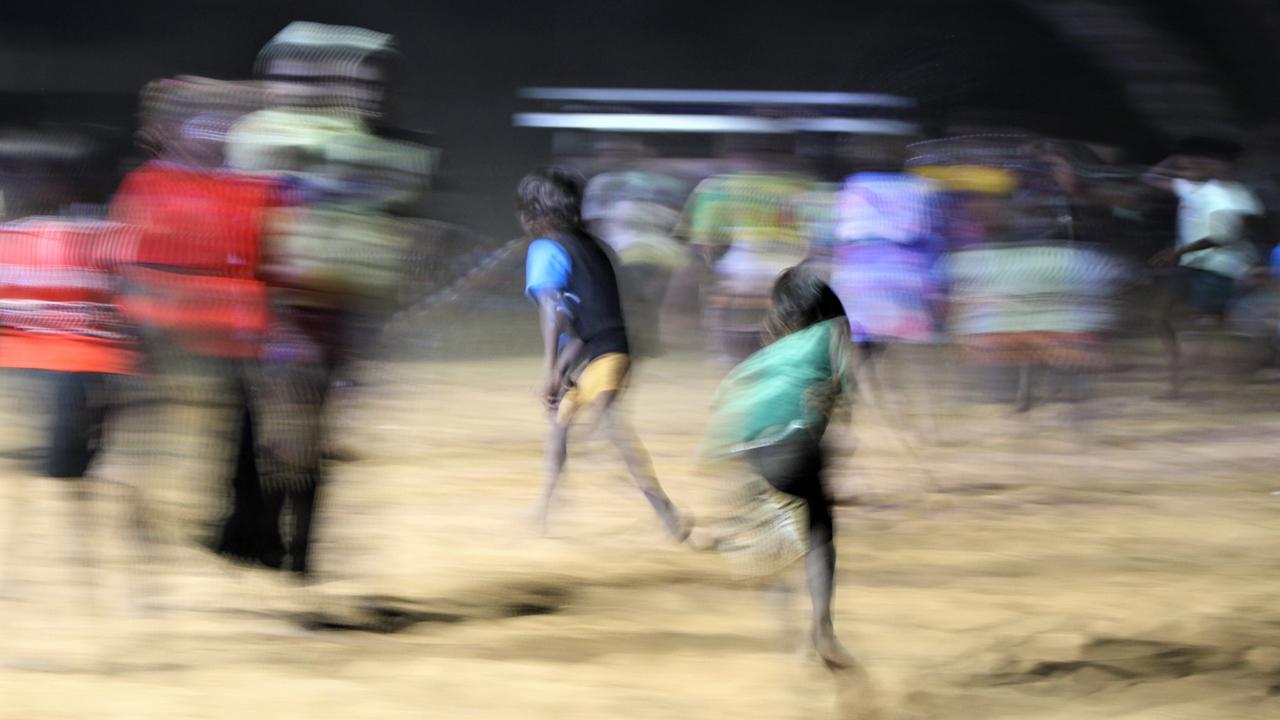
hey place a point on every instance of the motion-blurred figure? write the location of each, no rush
(635, 213)
(570, 275)
(195, 291)
(1032, 298)
(332, 259)
(744, 228)
(1213, 250)
(883, 265)
(63, 336)
(772, 411)
(885, 270)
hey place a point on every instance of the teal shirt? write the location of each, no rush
(788, 385)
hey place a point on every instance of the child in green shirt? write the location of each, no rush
(773, 410)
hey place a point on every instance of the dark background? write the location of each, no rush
(1056, 67)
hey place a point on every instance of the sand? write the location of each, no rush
(1121, 567)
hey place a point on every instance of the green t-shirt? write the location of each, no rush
(791, 384)
(753, 209)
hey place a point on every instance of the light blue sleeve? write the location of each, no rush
(546, 267)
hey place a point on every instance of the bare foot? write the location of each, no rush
(681, 527)
(538, 521)
(833, 654)
(702, 539)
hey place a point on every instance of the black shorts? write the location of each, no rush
(794, 466)
(1207, 292)
(79, 412)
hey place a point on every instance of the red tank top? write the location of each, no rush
(195, 275)
(58, 310)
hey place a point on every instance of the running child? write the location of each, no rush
(570, 275)
(773, 410)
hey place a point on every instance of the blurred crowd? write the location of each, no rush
(1011, 250)
(249, 259)
(276, 224)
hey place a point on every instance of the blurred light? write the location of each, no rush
(853, 126)
(643, 122)
(722, 97)
(646, 122)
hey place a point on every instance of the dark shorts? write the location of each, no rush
(795, 466)
(75, 434)
(1206, 292)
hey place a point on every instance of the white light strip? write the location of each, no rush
(729, 97)
(857, 126)
(635, 122)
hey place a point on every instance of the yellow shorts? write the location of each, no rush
(607, 373)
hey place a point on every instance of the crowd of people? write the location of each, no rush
(266, 238)
(1013, 250)
(257, 247)
(1002, 248)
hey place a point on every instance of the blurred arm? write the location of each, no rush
(558, 359)
(1162, 174)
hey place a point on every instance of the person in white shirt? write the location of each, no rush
(1213, 249)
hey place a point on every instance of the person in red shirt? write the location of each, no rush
(195, 289)
(60, 326)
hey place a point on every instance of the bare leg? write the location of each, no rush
(795, 467)
(641, 467)
(867, 373)
(303, 503)
(1024, 399)
(920, 383)
(872, 386)
(145, 587)
(82, 496)
(1173, 349)
(778, 597)
(1077, 389)
(820, 573)
(84, 569)
(17, 510)
(555, 452)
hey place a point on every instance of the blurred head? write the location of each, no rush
(757, 153)
(874, 155)
(349, 69)
(620, 150)
(549, 201)
(186, 119)
(1205, 158)
(1054, 160)
(800, 299)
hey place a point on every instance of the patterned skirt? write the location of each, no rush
(763, 530)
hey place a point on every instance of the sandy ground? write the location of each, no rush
(1023, 567)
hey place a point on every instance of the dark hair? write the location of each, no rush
(1209, 147)
(800, 299)
(549, 200)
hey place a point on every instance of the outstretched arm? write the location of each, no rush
(1162, 174)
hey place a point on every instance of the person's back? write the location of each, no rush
(773, 411)
(591, 294)
(1216, 209)
(199, 244)
(886, 206)
(784, 387)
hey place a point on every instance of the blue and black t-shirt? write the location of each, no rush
(578, 266)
